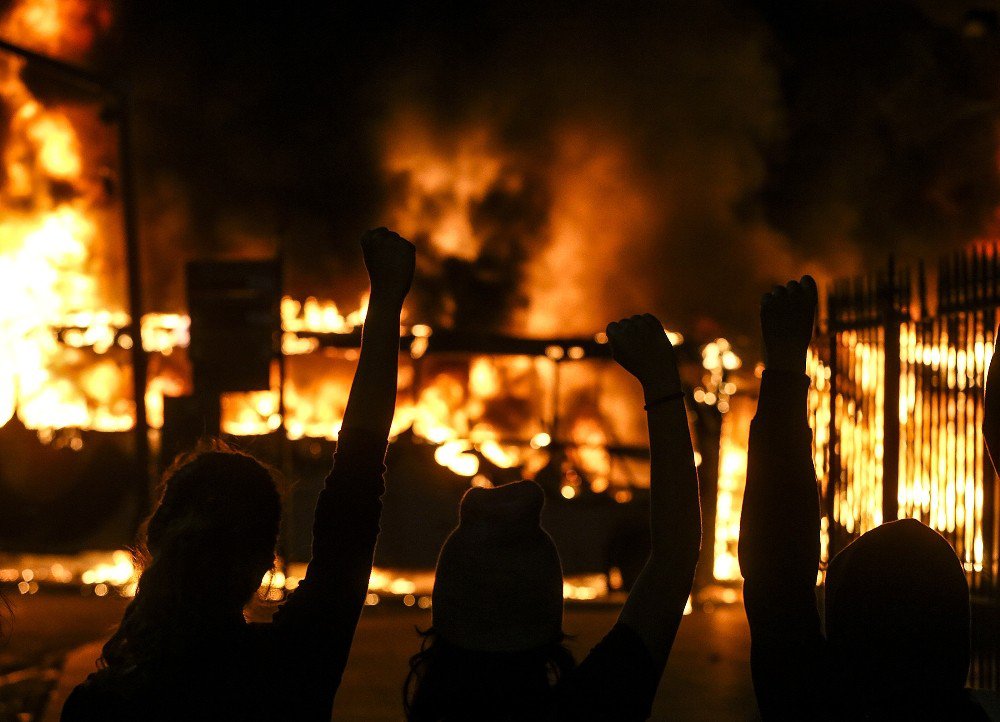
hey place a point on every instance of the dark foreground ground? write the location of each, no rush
(707, 678)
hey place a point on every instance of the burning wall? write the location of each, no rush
(897, 408)
(60, 247)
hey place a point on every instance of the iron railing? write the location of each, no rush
(897, 406)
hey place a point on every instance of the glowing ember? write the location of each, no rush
(105, 572)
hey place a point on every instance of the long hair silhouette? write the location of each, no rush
(204, 550)
(184, 648)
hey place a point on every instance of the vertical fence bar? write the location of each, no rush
(890, 404)
(833, 472)
(133, 262)
(911, 375)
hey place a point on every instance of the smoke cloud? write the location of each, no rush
(559, 170)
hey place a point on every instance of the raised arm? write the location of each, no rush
(655, 605)
(991, 412)
(779, 529)
(390, 260)
(316, 624)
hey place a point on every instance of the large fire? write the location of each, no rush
(65, 345)
(62, 365)
(944, 486)
(941, 473)
(466, 196)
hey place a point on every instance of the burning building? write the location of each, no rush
(89, 375)
(540, 217)
(897, 407)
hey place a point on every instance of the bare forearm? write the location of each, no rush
(779, 550)
(675, 509)
(779, 526)
(779, 535)
(779, 530)
(372, 400)
(656, 604)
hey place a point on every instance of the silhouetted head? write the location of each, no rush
(218, 516)
(207, 544)
(897, 618)
(495, 649)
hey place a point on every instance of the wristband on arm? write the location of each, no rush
(664, 399)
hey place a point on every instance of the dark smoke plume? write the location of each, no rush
(758, 139)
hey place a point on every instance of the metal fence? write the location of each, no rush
(897, 407)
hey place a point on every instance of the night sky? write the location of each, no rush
(764, 138)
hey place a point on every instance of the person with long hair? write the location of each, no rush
(183, 649)
(495, 649)
(896, 641)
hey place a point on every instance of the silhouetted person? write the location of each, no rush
(183, 650)
(495, 649)
(897, 602)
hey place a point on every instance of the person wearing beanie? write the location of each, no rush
(495, 650)
(897, 602)
(499, 564)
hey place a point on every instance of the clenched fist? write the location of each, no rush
(390, 260)
(640, 346)
(787, 316)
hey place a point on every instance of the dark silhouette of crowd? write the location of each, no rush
(896, 638)
(894, 644)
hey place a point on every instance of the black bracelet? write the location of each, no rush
(664, 399)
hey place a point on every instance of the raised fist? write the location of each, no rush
(640, 346)
(390, 260)
(787, 317)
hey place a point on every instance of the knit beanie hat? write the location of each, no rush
(498, 585)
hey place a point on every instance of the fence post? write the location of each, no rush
(890, 406)
(833, 463)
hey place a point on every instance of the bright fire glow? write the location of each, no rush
(732, 480)
(64, 332)
(941, 451)
(61, 364)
